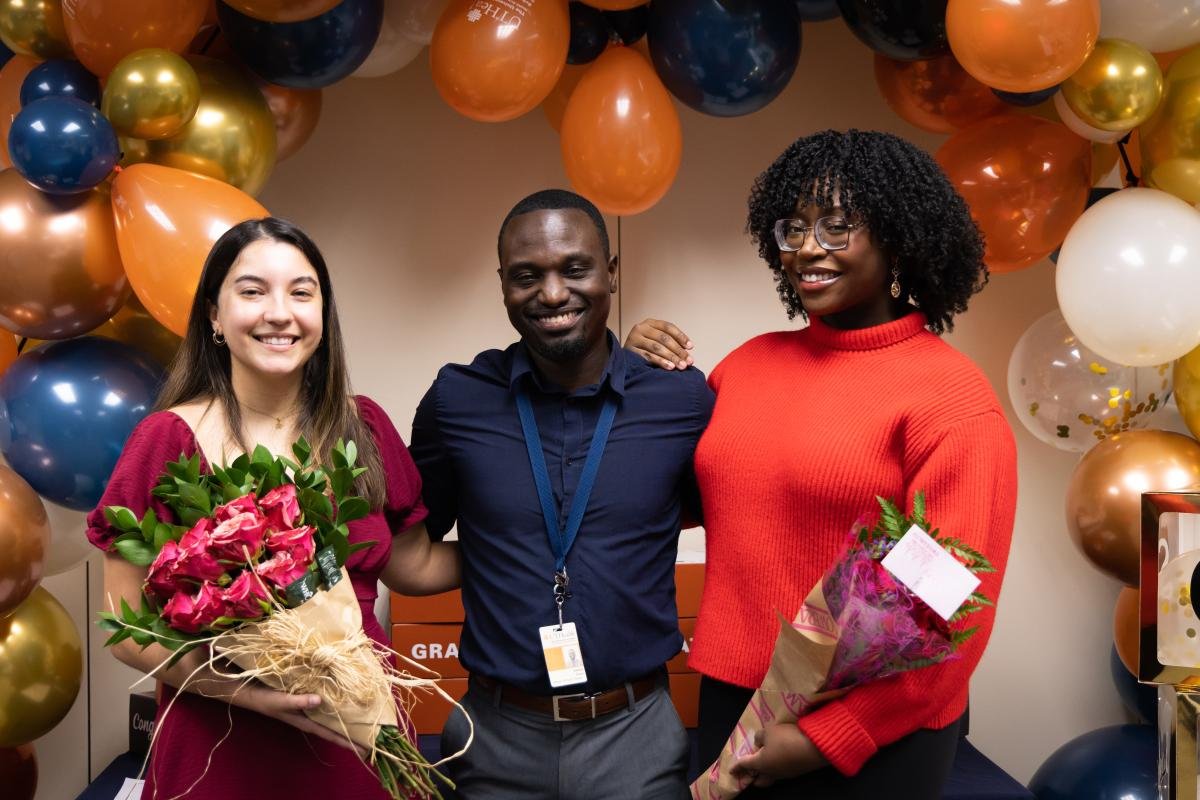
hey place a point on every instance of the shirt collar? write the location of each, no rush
(614, 371)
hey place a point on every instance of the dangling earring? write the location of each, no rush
(895, 290)
(219, 340)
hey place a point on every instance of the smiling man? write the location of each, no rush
(565, 462)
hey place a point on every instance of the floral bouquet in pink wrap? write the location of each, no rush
(256, 573)
(858, 623)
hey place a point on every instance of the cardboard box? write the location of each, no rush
(678, 664)
(433, 646)
(445, 607)
(689, 585)
(685, 694)
(431, 710)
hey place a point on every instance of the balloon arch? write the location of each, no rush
(129, 141)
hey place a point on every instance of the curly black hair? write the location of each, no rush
(913, 213)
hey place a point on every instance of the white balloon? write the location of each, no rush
(1160, 26)
(1081, 128)
(1128, 277)
(418, 18)
(393, 49)
(1071, 398)
(69, 545)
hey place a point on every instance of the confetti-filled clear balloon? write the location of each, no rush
(1070, 397)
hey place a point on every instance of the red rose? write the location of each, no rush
(197, 537)
(179, 566)
(189, 614)
(160, 580)
(281, 506)
(246, 598)
(281, 570)
(242, 505)
(298, 543)
(238, 535)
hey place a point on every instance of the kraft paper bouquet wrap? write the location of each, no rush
(256, 575)
(857, 624)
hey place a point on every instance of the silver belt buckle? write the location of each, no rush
(554, 699)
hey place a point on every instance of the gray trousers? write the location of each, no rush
(639, 753)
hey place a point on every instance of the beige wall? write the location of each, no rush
(404, 197)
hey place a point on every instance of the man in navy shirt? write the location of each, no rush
(565, 463)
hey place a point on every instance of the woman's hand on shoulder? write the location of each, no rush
(661, 343)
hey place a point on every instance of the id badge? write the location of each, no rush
(564, 658)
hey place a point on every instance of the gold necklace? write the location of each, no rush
(278, 420)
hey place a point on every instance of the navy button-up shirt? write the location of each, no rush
(468, 444)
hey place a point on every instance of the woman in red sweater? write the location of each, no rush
(872, 245)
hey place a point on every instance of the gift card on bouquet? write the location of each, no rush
(929, 572)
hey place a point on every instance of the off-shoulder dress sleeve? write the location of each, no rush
(404, 507)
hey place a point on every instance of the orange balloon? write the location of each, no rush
(101, 34)
(8, 351)
(167, 221)
(1165, 60)
(1022, 45)
(12, 75)
(1026, 181)
(296, 113)
(283, 10)
(492, 64)
(621, 139)
(1127, 630)
(936, 95)
(555, 103)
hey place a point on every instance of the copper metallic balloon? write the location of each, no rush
(231, 137)
(8, 350)
(296, 113)
(1126, 628)
(284, 10)
(1104, 496)
(151, 94)
(41, 664)
(24, 538)
(1170, 139)
(62, 273)
(35, 28)
(1117, 88)
(19, 772)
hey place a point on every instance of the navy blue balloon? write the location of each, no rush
(66, 410)
(817, 10)
(62, 145)
(630, 24)
(723, 58)
(310, 54)
(1115, 763)
(589, 34)
(899, 29)
(59, 77)
(1026, 99)
(5, 54)
(1139, 699)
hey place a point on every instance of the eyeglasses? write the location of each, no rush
(833, 233)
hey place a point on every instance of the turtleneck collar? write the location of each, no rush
(872, 338)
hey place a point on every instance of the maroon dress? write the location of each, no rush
(258, 757)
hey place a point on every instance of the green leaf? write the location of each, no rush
(161, 535)
(122, 518)
(261, 455)
(342, 482)
(338, 456)
(127, 612)
(341, 549)
(241, 463)
(358, 471)
(194, 496)
(353, 508)
(302, 451)
(351, 453)
(138, 553)
(141, 637)
(316, 504)
(149, 523)
(117, 637)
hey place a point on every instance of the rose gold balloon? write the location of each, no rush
(296, 113)
(61, 271)
(24, 537)
(12, 75)
(936, 94)
(19, 772)
(1126, 628)
(1104, 496)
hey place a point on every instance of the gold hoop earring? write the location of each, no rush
(218, 339)
(895, 289)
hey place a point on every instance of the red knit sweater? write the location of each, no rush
(808, 428)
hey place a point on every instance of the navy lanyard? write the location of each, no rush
(562, 539)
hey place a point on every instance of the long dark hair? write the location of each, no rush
(201, 368)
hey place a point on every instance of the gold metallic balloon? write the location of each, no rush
(134, 326)
(60, 270)
(1117, 88)
(1187, 389)
(35, 28)
(24, 538)
(1170, 139)
(151, 94)
(41, 664)
(231, 137)
(1104, 496)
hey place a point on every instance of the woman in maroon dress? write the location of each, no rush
(262, 363)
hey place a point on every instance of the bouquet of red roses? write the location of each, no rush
(858, 623)
(256, 572)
